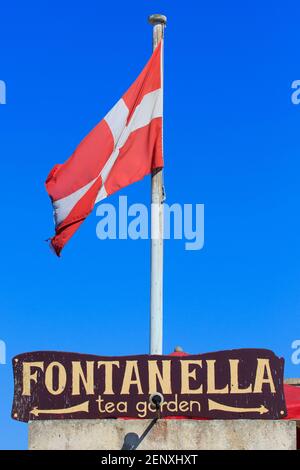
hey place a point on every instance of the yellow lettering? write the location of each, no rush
(187, 374)
(131, 369)
(62, 378)
(163, 378)
(263, 366)
(79, 376)
(211, 378)
(28, 376)
(108, 366)
(234, 376)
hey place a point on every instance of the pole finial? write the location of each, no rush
(178, 349)
(157, 19)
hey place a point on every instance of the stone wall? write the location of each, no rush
(162, 435)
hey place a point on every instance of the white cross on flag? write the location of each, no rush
(123, 148)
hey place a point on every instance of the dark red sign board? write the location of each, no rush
(237, 384)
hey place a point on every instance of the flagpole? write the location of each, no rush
(157, 197)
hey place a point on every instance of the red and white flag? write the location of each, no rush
(123, 148)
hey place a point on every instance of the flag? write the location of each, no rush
(123, 148)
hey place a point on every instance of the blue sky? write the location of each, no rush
(231, 143)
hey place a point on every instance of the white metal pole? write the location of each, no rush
(157, 196)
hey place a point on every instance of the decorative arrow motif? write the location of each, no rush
(213, 405)
(73, 409)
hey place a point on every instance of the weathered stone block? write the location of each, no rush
(162, 435)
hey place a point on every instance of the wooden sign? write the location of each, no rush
(245, 384)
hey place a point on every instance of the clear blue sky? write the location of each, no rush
(231, 142)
